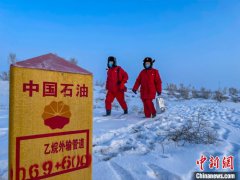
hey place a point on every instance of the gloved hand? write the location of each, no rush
(134, 91)
(159, 93)
(122, 86)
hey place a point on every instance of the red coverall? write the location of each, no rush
(115, 86)
(150, 82)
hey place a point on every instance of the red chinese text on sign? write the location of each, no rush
(30, 87)
(49, 89)
(67, 90)
(82, 91)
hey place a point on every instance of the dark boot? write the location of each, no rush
(108, 113)
(126, 111)
(154, 115)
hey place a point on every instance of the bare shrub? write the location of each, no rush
(188, 92)
(184, 91)
(195, 131)
(171, 88)
(195, 93)
(235, 99)
(99, 83)
(204, 93)
(233, 91)
(224, 91)
(219, 96)
(73, 61)
(4, 76)
(12, 58)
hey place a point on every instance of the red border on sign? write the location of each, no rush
(19, 139)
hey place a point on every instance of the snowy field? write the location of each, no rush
(132, 147)
(4, 129)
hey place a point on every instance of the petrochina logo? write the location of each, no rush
(56, 115)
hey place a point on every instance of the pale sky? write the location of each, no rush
(193, 42)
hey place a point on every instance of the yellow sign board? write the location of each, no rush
(50, 124)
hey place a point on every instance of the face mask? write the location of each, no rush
(147, 65)
(110, 64)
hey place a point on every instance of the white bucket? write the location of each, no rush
(160, 105)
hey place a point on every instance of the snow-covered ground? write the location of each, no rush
(4, 93)
(132, 147)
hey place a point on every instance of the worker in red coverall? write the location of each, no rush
(151, 83)
(115, 85)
